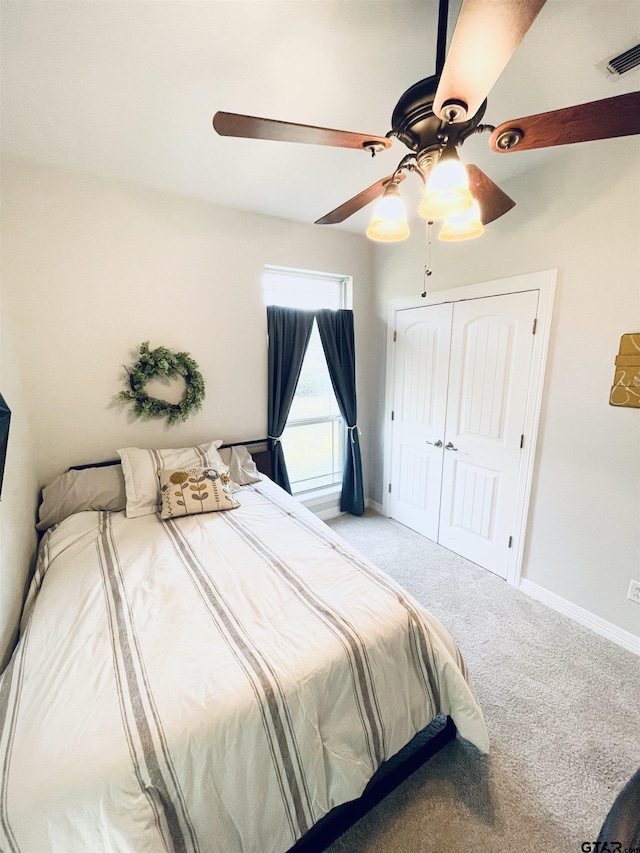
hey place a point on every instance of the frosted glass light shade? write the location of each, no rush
(389, 222)
(464, 226)
(447, 190)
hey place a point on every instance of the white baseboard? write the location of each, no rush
(326, 514)
(600, 626)
(325, 503)
(334, 512)
(320, 508)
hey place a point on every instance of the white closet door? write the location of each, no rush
(419, 409)
(491, 349)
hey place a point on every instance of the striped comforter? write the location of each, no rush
(215, 683)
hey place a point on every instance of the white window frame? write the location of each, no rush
(345, 301)
(346, 281)
(296, 487)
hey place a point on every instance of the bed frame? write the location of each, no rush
(389, 775)
(387, 778)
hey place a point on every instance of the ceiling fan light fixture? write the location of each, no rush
(464, 226)
(446, 192)
(389, 222)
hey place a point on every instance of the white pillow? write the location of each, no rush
(242, 468)
(140, 468)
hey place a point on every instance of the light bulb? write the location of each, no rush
(389, 222)
(447, 190)
(463, 226)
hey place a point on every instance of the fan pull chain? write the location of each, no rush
(427, 267)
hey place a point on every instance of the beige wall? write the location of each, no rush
(581, 215)
(19, 490)
(92, 268)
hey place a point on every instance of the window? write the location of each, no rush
(313, 440)
(306, 290)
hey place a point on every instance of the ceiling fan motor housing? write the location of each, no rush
(414, 123)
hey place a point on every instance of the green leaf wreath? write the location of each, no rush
(162, 362)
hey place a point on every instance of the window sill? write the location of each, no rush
(324, 502)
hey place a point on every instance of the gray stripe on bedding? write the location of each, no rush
(423, 646)
(44, 559)
(204, 459)
(127, 728)
(8, 718)
(269, 695)
(135, 696)
(366, 699)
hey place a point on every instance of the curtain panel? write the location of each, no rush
(338, 342)
(289, 331)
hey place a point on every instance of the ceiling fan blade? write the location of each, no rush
(485, 37)
(252, 127)
(611, 117)
(492, 200)
(358, 201)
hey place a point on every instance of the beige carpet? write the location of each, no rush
(562, 706)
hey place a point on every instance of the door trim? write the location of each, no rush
(545, 283)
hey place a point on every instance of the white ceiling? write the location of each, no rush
(128, 89)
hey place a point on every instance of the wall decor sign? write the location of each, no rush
(5, 418)
(625, 390)
(157, 364)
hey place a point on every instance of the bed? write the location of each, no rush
(217, 681)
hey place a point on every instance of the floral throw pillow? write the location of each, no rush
(189, 491)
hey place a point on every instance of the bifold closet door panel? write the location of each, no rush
(423, 339)
(489, 369)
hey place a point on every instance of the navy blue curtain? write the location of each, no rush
(5, 418)
(336, 333)
(289, 331)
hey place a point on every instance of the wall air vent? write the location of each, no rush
(618, 65)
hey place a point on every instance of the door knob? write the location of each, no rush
(449, 446)
(437, 443)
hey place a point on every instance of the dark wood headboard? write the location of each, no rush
(259, 448)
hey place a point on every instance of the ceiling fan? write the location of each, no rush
(436, 115)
